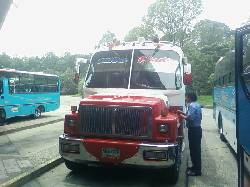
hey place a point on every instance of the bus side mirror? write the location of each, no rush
(184, 60)
(78, 63)
(187, 76)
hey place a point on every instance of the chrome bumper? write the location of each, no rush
(136, 160)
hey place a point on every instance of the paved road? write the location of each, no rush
(20, 123)
(218, 163)
(219, 169)
(23, 150)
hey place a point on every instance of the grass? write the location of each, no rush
(205, 100)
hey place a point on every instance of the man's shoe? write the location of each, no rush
(193, 173)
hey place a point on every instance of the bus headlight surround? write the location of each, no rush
(71, 122)
(163, 128)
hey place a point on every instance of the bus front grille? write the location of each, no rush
(116, 121)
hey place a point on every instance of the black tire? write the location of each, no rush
(173, 171)
(75, 167)
(173, 174)
(220, 127)
(37, 114)
(241, 168)
(2, 117)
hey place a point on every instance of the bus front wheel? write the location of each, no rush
(220, 125)
(38, 113)
(2, 116)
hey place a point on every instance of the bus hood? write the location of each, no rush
(135, 99)
(171, 97)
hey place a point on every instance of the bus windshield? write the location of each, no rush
(151, 69)
(109, 69)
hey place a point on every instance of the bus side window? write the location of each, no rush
(246, 53)
(246, 63)
(34, 89)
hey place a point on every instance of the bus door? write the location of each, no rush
(242, 74)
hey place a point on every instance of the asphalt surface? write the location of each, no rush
(29, 148)
(26, 145)
(218, 167)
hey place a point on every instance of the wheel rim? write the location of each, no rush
(37, 113)
(221, 130)
(220, 125)
(3, 115)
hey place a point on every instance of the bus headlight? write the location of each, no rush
(163, 128)
(71, 122)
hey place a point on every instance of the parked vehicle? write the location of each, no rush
(25, 93)
(242, 74)
(224, 99)
(128, 115)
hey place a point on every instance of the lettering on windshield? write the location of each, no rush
(151, 59)
(109, 60)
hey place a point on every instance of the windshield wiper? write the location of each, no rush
(156, 50)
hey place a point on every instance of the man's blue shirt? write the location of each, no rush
(194, 114)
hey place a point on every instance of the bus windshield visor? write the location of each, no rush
(151, 69)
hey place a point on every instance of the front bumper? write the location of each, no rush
(136, 158)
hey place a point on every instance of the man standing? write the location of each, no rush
(193, 119)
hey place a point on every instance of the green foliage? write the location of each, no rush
(107, 37)
(142, 31)
(80, 87)
(173, 18)
(209, 41)
(205, 100)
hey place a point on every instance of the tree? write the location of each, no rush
(246, 22)
(107, 37)
(145, 31)
(5, 61)
(208, 41)
(49, 63)
(173, 18)
(207, 33)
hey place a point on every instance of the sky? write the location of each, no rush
(35, 27)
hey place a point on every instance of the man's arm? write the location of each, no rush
(180, 112)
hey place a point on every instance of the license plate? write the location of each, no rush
(111, 152)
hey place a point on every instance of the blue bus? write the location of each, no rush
(224, 98)
(25, 93)
(242, 74)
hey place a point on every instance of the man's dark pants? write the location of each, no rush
(194, 138)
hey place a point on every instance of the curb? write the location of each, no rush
(37, 171)
(30, 127)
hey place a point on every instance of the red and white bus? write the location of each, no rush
(128, 114)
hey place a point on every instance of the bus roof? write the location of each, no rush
(26, 72)
(162, 45)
